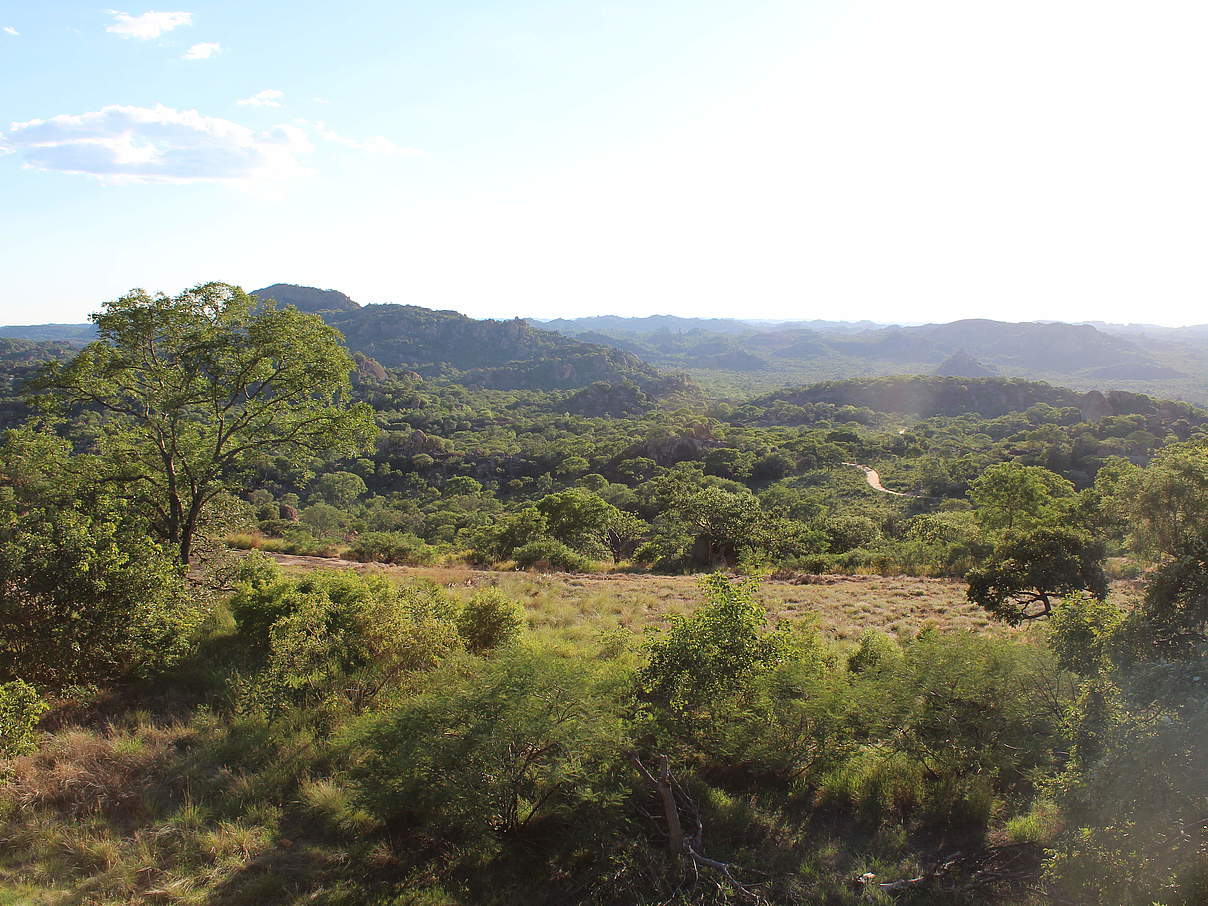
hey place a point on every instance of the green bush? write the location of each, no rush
(20, 708)
(523, 738)
(964, 707)
(391, 547)
(548, 554)
(877, 651)
(489, 620)
(714, 650)
(789, 723)
(256, 570)
(88, 598)
(876, 785)
(1040, 825)
(338, 638)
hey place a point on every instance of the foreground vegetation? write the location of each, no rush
(180, 725)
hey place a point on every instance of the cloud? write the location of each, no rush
(203, 51)
(121, 144)
(149, 25)
(269, 97)
(9, 30)
(375, 145)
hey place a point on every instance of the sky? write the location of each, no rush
(897, 161)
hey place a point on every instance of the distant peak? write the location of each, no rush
(961, 364)
(307, 298)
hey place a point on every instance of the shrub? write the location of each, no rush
(489, 621)
(878, 786)
(256, 570)
(498, 540)
(850, 531)
(790, 722)
(20, 708)
(877, 651)
(338, 638)
(390, 547)
(714, 650)
(525, 737)
(88, 598)
(964, 707)
(546, 554)
(1040, 825)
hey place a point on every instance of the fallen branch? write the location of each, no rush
(681, 846)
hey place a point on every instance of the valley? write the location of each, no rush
(307, 601)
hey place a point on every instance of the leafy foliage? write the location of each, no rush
(1028, 569)
(488, 620)
(195, 390)
(546, 553)
(715, 650)
(518, 739)
(85, 595)
(338, 640)
(20, 708)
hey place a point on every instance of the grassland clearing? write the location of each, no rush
(579, 604)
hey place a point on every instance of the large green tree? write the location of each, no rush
(579, 519)
(1012, 497)
(193, 390)
(1166, 503)
(1027, 570)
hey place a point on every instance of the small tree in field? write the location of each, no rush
(1027, 570)
(193, 390)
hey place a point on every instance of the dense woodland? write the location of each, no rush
(185, 720)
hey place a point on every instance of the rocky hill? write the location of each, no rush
(77, 334)
(504, 355)
(308, 298)
(961, 364)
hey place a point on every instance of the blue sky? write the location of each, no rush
(897, 161)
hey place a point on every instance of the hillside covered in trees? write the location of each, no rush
(735, 358)
(182, 720)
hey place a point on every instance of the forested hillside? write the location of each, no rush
(504, 355)
(500, 691)
(735, 358)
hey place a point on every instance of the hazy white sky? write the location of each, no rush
(897, 161)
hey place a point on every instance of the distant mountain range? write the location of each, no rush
(675, 324)
(749, 356)
(736, 357)
(42, 333)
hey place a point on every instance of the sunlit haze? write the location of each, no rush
(920, 161)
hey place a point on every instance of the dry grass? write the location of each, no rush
(581, 604)
(82, 772)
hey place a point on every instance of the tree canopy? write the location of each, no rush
(193, 390)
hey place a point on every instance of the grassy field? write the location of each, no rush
(576, 605)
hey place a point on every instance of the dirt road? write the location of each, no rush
(874, 481)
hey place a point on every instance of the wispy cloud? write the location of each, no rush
(203, 51)
(376, 144)
(9, 30)
(150, 24)
(269, 97)
(120, 144)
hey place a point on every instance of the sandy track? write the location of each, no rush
(874, 480)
